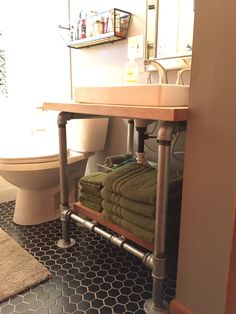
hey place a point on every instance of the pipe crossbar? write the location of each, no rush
(146, 258)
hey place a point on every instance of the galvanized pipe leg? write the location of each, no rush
(62, 119)
(66, 241)
(156, 305)
(130, 137)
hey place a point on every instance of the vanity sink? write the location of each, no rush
(152, 95)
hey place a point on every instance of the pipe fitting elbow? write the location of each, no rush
(63, 117)
(148, 260)
(65, 214)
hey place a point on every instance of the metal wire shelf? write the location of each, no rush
(100, 28)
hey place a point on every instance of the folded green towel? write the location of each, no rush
(90, 204)
(93, 180)
(139, 232)
(110, 161)
(117, 178)
(136, 219)
(172, 232)
(91, 197)
(88, 190)
(174, 200)
(143, 188)
(137, 207)
(137, 182)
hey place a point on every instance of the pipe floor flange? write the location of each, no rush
(150, 309)
(65, 244)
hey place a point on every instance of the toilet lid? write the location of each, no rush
(27, 155)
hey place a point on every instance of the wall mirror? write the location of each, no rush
(169, 28)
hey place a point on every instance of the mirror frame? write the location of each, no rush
(151, 38)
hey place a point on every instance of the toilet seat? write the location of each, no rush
(40, 163)
(29, 149)
(29, 160)
(42, 158)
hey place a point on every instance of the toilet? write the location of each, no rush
(31, 163)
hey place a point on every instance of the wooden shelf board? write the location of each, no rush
(123, 111)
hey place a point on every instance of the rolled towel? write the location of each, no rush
(110, 161)
(115, 166)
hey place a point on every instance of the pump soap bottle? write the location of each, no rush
(131, 70)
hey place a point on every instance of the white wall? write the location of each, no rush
(105, 64)
(37, 60)
(37, 63)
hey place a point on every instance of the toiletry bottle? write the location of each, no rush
(82, 25)
(131, 71)
(83, 28)
(78, 27)
(106, 30)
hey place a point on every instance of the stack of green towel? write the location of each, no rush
(129, 195)
(90, 192)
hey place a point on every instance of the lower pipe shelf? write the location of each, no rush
(97, 216)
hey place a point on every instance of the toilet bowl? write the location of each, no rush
(32, 165)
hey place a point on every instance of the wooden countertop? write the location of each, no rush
(123, 111)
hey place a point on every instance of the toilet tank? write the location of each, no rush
(87, 135)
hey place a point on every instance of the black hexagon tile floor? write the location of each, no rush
(92, 277)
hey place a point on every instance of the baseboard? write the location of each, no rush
(177, 307)
(230, 301)
(8, 194)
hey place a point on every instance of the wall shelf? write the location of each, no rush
(100, 28)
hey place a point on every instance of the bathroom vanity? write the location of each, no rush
(171, 117)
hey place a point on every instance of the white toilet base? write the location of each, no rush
(36, 207)
(42, 202)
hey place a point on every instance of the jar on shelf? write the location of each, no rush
(91, 15)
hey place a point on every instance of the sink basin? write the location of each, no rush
(154, 95)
